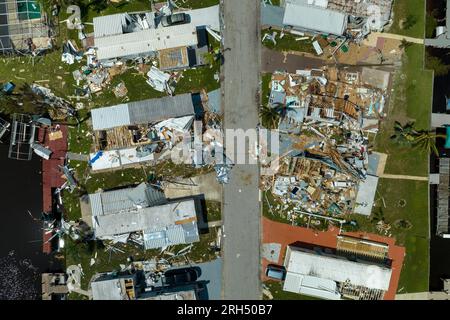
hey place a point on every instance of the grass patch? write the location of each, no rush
(213, 210)
(409, 18)
(197, 79)
(288, 42)
(196, 4)
(265, 88)
(414, 194)
(273, 208)
(276, 289)
(410, 101)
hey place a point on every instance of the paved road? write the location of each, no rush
(241, 212)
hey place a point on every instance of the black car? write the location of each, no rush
(180, 276)
(174, 19)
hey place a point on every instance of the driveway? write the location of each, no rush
(205, 184)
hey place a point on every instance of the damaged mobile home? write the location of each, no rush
(326, 165)
(144, 215)
(342, 18)
(138, 131)
(130, 35)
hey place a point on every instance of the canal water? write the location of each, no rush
(21, 257)
(439, 248)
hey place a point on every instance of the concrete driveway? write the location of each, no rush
(206, 185)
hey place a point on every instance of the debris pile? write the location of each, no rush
(326, 118)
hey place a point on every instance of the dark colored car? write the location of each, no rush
(276, 272)
(180, 276)
(176, 18)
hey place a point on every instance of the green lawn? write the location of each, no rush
(410, 101)
(407, 200)
(276, 289)
(409, 18)
(273, 208)
(265, 88)
(288, 42)
(213, 210)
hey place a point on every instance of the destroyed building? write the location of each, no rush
(337, 17)
(134, 132)
(24, 27)
(324, 144)
(143, 214)
(108, 287)
(358, 269)
(130, 35)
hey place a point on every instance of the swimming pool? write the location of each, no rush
(28, 9)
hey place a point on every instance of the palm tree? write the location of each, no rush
(426, 141)
(423, 139)
(282, 109)
(405, 44)
(269, 117)
(403, 134)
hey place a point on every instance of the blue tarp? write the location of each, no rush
(96, 157)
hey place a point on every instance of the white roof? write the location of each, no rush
(151, 219)
(108, 25)
(142, 112)
(112, 159)
(114, 43)
(314, 18)
(311, 286)
(145, 41)
(337, 269)
(108, 289)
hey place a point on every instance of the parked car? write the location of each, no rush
(174, 19)
(276, 272)
(180, 276)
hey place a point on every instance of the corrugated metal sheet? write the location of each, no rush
(154, 110)
(141, 112)
(95, 200)
(315, 19)
(108, 25)
(110, 117)
(175, 235)
(154, 240)
(115, 201)
(171, 235)
(151, 219)
(145, 41)
(190, 232)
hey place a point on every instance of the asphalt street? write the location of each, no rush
(240, 102)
